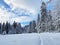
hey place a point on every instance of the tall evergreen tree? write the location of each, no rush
(43, 12)
(44, 17)
(30, 27)
(34, 26)
(19, 29)
(3, 27)
(0, 27)
(14, 24)
(15, 27)
(38, 18)
(7, 27)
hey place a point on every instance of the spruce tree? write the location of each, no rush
(44, 18)
(43, 12)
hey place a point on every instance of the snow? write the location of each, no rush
(50, 38)
(19, 39)
(31, 39)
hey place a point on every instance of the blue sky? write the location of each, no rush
(22, 11)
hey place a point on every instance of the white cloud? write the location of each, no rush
(27, 9)
(22, 19)
(19, 3)
(4, 15)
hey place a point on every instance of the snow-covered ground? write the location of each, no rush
(19, 39)
(31, 39)
(50, 38)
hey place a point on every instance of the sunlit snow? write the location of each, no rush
(31, 39)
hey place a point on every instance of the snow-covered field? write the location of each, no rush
(50, 38)
(19, 39)
(31, 39)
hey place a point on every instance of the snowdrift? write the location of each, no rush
(31, 39)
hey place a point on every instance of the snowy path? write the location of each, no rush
(50, 38)
(31, 39)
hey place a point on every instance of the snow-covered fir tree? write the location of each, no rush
(0, 28)
(44, 19)
(56, 13)
(32, 26)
